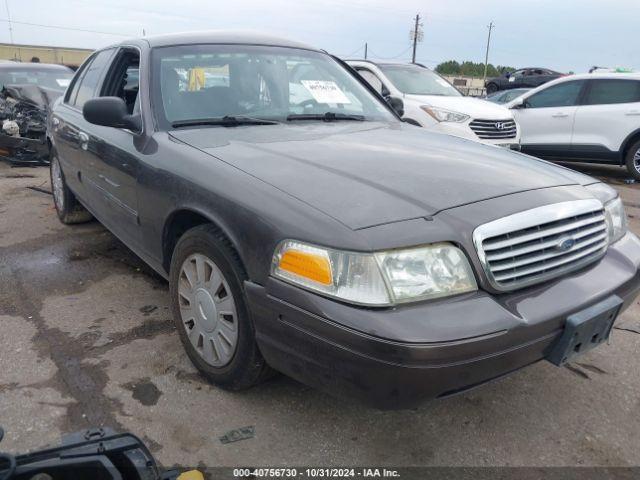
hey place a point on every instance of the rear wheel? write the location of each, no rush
(492, 88)
(633, 160)
(210, 311)
(68, 208)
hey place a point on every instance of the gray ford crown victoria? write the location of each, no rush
(304, 228)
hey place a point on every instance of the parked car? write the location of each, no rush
(326, 239)
(589, 118)
(26, 93)
(47, 75)
(505, 96)
(432, 102)
(523, 78)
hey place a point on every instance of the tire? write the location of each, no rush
(208, 301)
(633, 160)
(69, 210)
(492, 88)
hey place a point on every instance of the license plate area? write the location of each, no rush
(585, 330)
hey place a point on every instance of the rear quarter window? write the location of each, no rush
(606, 92)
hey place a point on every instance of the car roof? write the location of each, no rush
(372, 62)
(233, 37)
(604, 75)
(535, 68)
(33, 66)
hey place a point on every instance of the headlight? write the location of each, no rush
(442, 115)
(613, 209)
(382, 278)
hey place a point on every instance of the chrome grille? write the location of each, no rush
(494, 129)
(542, 243)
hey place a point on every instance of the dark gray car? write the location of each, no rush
(303, 227)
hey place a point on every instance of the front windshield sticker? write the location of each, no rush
(63, 82)
(442, 82)
(325, 91)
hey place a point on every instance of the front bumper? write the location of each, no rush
(398, 357)
(23, 150)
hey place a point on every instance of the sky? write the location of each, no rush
(564, 35)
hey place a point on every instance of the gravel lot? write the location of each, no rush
(88, 340)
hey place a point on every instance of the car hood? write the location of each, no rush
(474, 107)
(366, 174)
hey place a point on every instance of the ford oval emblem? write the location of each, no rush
(566, 244)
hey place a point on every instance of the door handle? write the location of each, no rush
(560, 115)
(83, 138)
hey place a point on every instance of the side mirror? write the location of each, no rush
(519, 103)
(397, 105)
(110, 112)
(384, 91)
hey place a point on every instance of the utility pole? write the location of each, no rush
(416, 36)
(6, 4)
(365, 50)
(491, 26)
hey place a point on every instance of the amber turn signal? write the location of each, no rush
(307, 265)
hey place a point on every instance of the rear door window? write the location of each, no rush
(562, 95)
(86, 86)
(612, 91)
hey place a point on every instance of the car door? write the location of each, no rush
(69, 137)
(546, 118)
(609, 112)
(516, 79)
(115, 151)
(530, 79)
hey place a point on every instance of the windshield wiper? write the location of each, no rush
(327, 117)
(226, 121)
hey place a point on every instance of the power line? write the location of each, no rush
(393, 57)
(6, 4)
(352, 53)
(59, 27)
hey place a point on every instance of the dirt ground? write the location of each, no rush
(87, 340)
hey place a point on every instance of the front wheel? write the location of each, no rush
(210, 311)
(633, 161)
(68, 208)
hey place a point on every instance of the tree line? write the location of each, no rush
(471, 69)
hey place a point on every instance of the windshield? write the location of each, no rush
(415, 80)
(54, 79)
(267, 83)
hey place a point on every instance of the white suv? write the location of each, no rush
(587, 117)
(432, 102)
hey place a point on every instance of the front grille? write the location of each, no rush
(542, 243)
(494, 129)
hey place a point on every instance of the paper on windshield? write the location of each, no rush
(442, 82)
(325, 91)
(63, 82)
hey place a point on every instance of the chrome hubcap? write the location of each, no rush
(57, 184)
(636, 161)
(208, 310)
